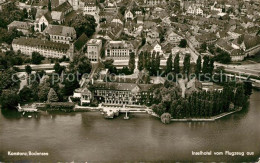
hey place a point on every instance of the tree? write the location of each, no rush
(37, 58)
(211, 66)
(144, 40)
(109, 64)
(84, 24)
(52, 96)
(131, 63)
(8, 36)
(69, 86)
(9, 99)
(122, 10)
(176, 64)
(203, 46)
(25, 13)
(198, 66)
(140, 61)
(166, 118)
(143, 77)
(248, 87)
(239, 98)
(205, 68)
(158, 109)
(169, 64)
(58, 68)
(8, 80)
(49, 5)
(25, 94)
(223, 57)
(28, 69)
(186, 64)
(183, 43)
(80, 64)
(44, 89)
(125, 71)
(157, 62)
(32, 13)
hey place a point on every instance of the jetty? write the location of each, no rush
(113, 110)
(27, 108)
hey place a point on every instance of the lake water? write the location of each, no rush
(89, 137)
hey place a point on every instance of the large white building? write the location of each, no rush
(195, 10)
(94, 49)
(119, 50)
(46, 48)
(90, 7)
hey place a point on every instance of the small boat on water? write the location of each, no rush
(109, 114)
(29, 116)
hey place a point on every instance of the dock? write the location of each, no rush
(27, 108)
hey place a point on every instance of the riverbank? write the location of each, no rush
(210, 119)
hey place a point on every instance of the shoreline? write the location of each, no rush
(210, 119)
(98, 109)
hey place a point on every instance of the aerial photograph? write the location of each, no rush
(129, 81)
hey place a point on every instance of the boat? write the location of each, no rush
(126, 117)
(109, 114)
(29, 116)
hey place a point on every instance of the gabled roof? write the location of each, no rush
(35, 42)
(40, 13)
(63, 7)
(48, 16)
(251, 41)
(122, 86)
(19, 25)
(60, 30)
(206, 37)
(56, 15)
(236, 52)
(81, 41)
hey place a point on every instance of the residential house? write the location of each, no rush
(23, 27)
(129, 15)
(61, 34)
(154, 2)
(114, 30)
(59, 13)
(194, 42)
(156, 47)
(173, 37)
(4, 4)
(208, 38)
(195, 10)
(153, 35)
(140, 20)
(118, 19)
(208, 86)
(84, 94)
(46, 48)
(182, 53)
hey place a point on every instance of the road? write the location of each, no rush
(41, 66)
